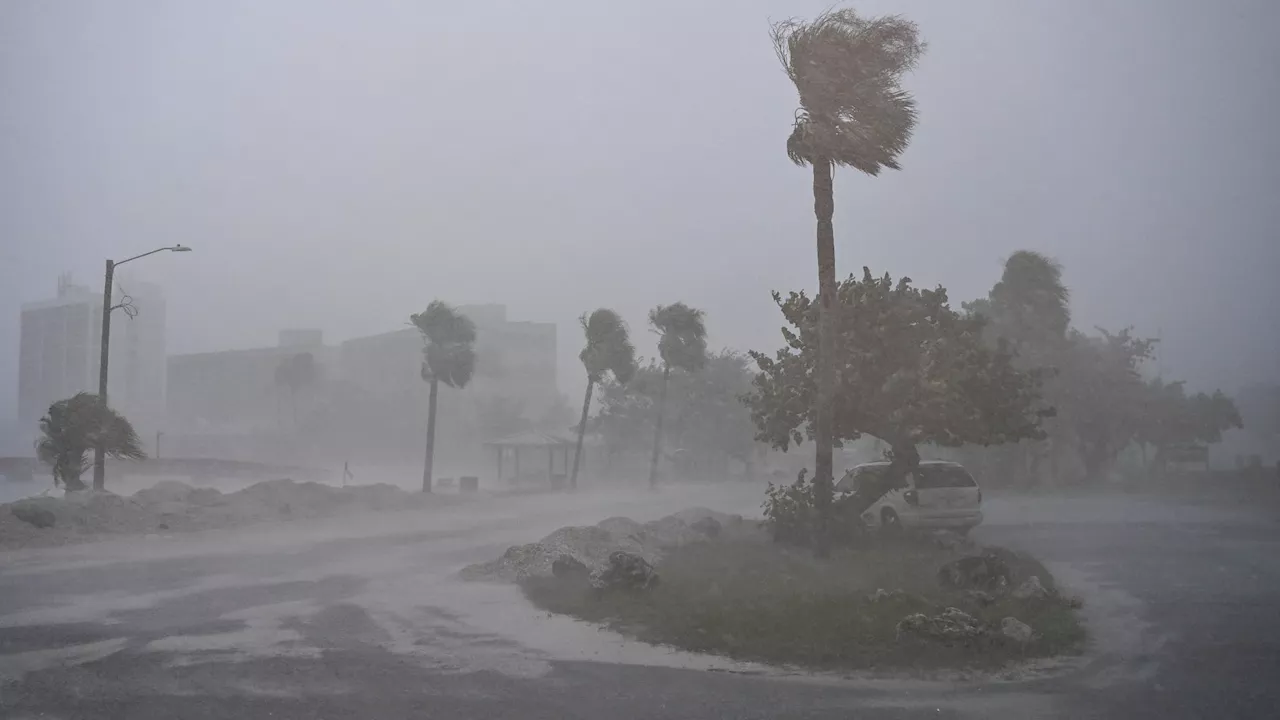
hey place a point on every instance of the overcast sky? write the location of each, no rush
(339, 164)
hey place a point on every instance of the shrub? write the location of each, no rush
(791, 514)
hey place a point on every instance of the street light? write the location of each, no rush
(100, 451)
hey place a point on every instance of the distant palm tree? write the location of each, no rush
(608, 349)
(1031, 303)
(853, 112)
(295, 372)
(75, 426)
(682, 344)
(449, 356)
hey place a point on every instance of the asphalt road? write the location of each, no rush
(362, 620)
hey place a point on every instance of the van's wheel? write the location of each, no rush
(890, 523)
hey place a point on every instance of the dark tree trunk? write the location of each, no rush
(905, 458)
(431, 436)
(582, 430)
(823, 477)
(657, 429)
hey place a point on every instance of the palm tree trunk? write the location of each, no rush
(431, 436)
(293, 406)
(823, 209)
(582, 430)
(657, 429)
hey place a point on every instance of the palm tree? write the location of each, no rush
(295, 372)
(449, 356)
(1031, 306)
(682, 344)
(608, 349)
(75, 426)
(853, 112)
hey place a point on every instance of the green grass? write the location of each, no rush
(750, 599)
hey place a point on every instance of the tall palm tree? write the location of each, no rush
(682, 344)
(608, 349)
(853, 113)
(449, 356)
(75, 426)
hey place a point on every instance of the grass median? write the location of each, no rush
(751, 599)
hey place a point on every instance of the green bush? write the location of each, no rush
(790, 513)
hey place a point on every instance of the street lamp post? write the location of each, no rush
(100, 450)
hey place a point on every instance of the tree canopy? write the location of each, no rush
(847, 71)
(682, 331)
(705, 413)
(450, 337)
(608, 347)
(912, 371)
(75, 426)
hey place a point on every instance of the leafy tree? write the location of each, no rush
(704, 413)
(1102, 396)
(913, 371)
(449, 356)
(296, 372)
(853, 113)
(75, 426)
(682, 344)
(1029, 308)
(608, 350)
(1172, 418)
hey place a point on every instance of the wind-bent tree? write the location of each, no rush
(449, 356)
(608, 350)
(75, 426)
(912, 371)
(682, 344)
(853, 113)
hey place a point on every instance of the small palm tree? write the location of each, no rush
(75, 426)
(608, 349)
(853, 112)
(449, 356)
(682, 344)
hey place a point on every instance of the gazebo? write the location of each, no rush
(557, 446)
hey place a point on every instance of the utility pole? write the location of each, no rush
(99, 450)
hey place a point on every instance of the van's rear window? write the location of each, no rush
(943, 476)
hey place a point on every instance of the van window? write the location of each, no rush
(930, 477)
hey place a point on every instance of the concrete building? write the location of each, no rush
(514, 359)
(244, 391)
(59, 352)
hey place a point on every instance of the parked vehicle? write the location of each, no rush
(937, 494)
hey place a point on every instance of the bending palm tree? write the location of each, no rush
(77, 425)
(449, 356)
(853, 112)
(683, 345)
(608, 350)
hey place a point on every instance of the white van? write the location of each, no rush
(938, 495)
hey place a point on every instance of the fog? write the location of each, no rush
(338, 165)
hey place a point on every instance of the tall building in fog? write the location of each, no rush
(59, 350)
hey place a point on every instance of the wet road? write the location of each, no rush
(363, 620)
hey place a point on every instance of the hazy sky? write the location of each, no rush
(340, 164)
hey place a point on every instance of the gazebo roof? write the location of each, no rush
(533, 439)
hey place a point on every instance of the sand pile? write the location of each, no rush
(592, 545)
(171, 506)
